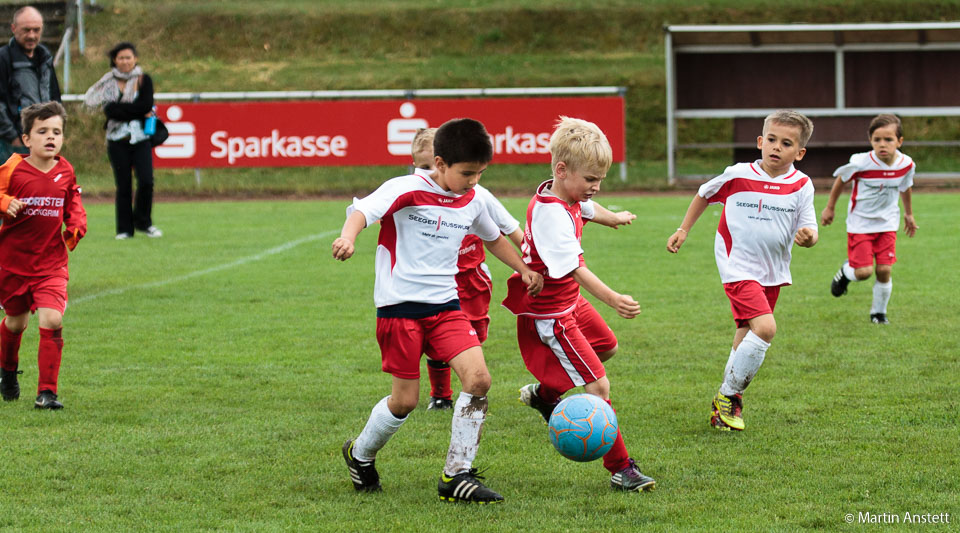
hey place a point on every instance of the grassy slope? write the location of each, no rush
(336, 44)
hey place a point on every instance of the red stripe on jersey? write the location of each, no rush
(751, 185)
(388, 238)
(724, 231)
(874, 159)
(755, 170)
(883, 174)
(853, 195)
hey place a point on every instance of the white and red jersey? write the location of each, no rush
(421, 229)
(551, 246)
(874, 205)
(471, 250)
(31, 244)
(761, 216)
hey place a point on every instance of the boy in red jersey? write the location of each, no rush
(563, 340)
(767, 208)
(474, 286)
(424, 218)
(873, 214)
(38, 197)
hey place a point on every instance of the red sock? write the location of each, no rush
(617, 458)
(9, 347)
(439, 379)
(48, 359)
(549, 395)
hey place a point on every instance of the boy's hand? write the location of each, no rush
(676, 240)
(71, 238)
(805, 237)
(342, 249)
(625, 306)
(14, 207)
(622, 218)
(909, 225)
(534, 282)
(826, 217)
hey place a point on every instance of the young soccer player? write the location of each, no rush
(767, 207)
(563, 340)
(474, 286)
(424, 218)
(38, 197)
(873, 213)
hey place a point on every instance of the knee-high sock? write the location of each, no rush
(746, 361)
(48, 359)
(9, 347)
(881, 296)
(617, 458)
(381, 425)
(726, 369)
(439, 373)
(849, 272)
(468, 415)
(549, 395)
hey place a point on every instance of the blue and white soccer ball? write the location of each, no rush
(583, 427)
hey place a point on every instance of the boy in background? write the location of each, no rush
(424, 218)
(767, 207)
(474, 286)
(873, 214)
(38, 197)
(563, 339)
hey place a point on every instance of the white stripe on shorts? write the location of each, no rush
(545, 331)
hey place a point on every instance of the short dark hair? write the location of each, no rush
(42, 111)
(881, 121)
(462, 140)
(120, 47)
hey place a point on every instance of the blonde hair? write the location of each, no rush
(423, 140)
(788, 117)
(581, 145)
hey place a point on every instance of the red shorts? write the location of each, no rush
(561, 352)
(482, 327)
(19, 294)
(863, 247)
(749, 299)
(474, 290)
(403, 340)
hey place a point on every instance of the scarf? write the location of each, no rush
(107, 90)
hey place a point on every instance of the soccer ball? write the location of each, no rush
(583, 427)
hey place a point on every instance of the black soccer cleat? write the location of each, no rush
(838, 287)
(439, 404)
(363, 474)
(630, 479)
(9, 386)
(47, 400)
(879, 318)
(530, 396)
(466, 487)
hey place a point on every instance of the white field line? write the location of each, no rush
(197, 273)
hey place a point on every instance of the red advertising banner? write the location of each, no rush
(365, 132)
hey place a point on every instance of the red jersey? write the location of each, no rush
(31, 243)
(551, 246)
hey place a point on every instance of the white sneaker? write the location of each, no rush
(153, 231)
(123, 236)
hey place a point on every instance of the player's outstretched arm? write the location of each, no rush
(806, 237)
(608, 218)
(506, 253)
(697, 206)
(343, 245)
(909, 224)
(623, 304)
(826, 216)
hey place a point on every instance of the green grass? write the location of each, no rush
(211, 376)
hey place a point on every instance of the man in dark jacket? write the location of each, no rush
(26, 77)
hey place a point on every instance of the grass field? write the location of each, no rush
(211, 376)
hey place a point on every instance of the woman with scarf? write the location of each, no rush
(126, 96)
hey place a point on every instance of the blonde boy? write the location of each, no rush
(563, 340)
(474, 286)
(767, 207)
(873, 214)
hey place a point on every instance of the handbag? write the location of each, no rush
(160, 135)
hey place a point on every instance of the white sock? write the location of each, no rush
(881, 295)
(380, 427)
(468, 415)
(746, 361)
(849, 272)
(726, 369)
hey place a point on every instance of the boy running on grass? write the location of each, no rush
(873, 214)
(474, 286)
(424, 219)
(38, 197)
(563, 339)
(767, 207)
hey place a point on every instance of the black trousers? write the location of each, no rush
(126, 158)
